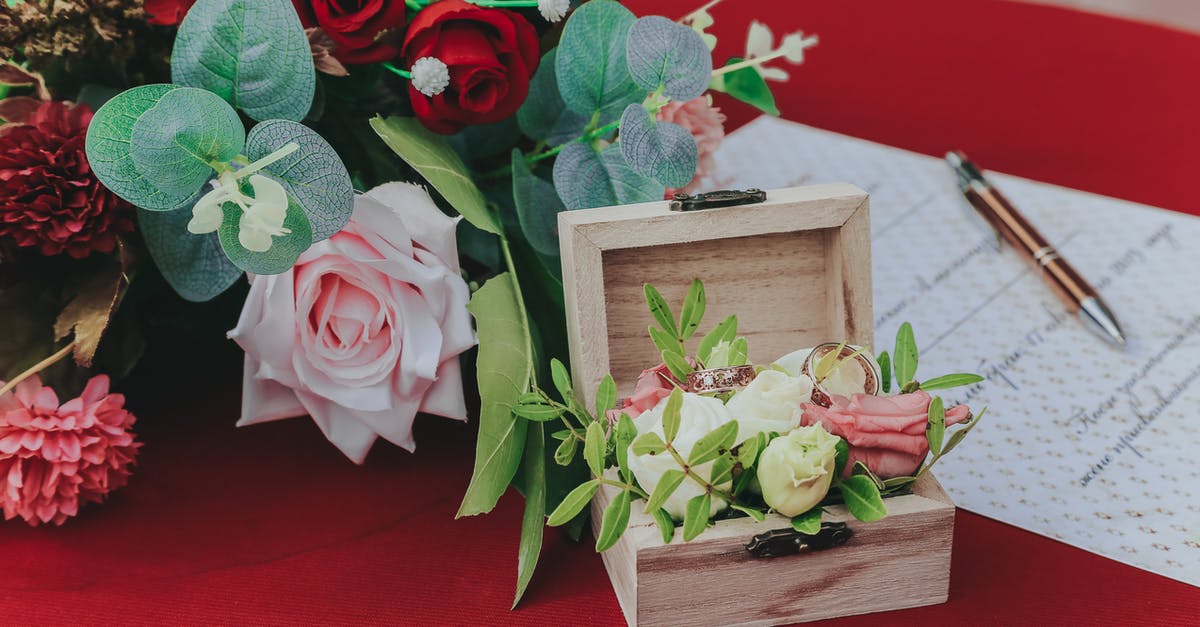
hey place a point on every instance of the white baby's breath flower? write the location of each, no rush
(760, 44)
(430, 76)
(554, 10)
(794, 46)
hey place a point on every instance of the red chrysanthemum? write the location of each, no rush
(55, 458)
(49, 197)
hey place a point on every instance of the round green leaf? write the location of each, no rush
(538, 206)
(314, 175)
(663, 151)
(109, 153)
(192, 264)
(175, 141)
(591, 68)
(664, 53)
(585, 178)
(284, 250)
(544, 115)
(252, 53)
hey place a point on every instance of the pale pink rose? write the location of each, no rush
(707, 125)
(887, 433)
(365, 330)
(652, 386)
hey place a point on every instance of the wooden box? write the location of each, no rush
(796, 269)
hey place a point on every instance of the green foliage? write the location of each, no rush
(672, 415)
(174, 142)
(544, 116)
(713, 444)
(626, 432)
(885, 371)
(722, 469)
(935, 428)
(533, 520)
(562, 380)
(808, 523)
(573, 503)
(648, 443)
(693, 308)
(755, 513)
(538, 206)
(593, 448)
(695, 517)
(284, 249)
(667, 484)
(606, 395)
(614, 522)
(663, 151)
(748, 86)
(726, 331)
(432, 157)
(314, 174)
(668, 55)
(948, 381)
(592, 72)
(565, 453)
(841, 457)
(677, 364)
(665, 342)
(862, 498)
(537, 412)
(660, 310)
(503, 374)
(252, 53)
(585, 177)
(194, 265)
(666, 525)
(904, 357)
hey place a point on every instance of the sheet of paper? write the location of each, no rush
(1092, 445)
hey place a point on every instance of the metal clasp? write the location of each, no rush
(713, 200)
(780, 542)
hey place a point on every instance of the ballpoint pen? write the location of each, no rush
(1079, 296)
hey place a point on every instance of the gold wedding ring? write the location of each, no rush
(717, 380)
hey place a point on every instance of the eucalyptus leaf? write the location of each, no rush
(862, 498)
(544, 116)
(585, 178)
(593, 448)
(904, 357)
(663, 151)
(432, 157)
(194, 265)
(614, 522)
(533, 519)
(666, 525)
(748, 86)
(503, 374)
(252, 53)
(695, 517)
(538, 206)
(314, 174)
(693, 308)
(573, 503)
(666, 486)
(664, 53)
(284, 251)
(948, 381)
(885, 370)
(109, 143)
(935, 428)
(713, 444)
(591, 68)
(808, 523)
(175, 142)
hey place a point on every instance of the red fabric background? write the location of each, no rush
(270, 525)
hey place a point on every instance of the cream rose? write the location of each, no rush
(365, 330)
(774, 401)
(698, 416)
(796, 469)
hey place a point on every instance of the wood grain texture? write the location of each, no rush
(898, 562)
(796, 269)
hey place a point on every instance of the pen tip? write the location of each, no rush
(955, 158)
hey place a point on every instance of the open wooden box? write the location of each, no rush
(796, 269)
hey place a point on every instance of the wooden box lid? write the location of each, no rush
(796, 269)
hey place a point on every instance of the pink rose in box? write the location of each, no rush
(887, 433)
(365, 331)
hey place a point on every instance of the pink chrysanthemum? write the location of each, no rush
(54, 458)
(706, 123)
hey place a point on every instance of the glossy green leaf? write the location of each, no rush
(544, 116)
(566, 451)
(626, 432)
(175, 142)
(252, 53)
(664, 53)
(503, 374)
(606, 395)
(660, 310)
(756, 514)
(808, 523)
(108, 146)
(885, 370)
(432, 157)
(904, 357)
(562, 379)
(533, 520)
(713, 443)
(726, 331)
(748, 86)
(573, 503)
(538, 206)
(585, 178)
(537, 413)
(664, 342)
(948, 381)
(648, 443)
(748, 451)
(194, 265)
(672, 414)
(666, 525)
(284, 251)
(614, 522)
(722, 470)
(314, 174)
(841, 457)
(593, 448)
(695, 516)
(666, 486)
(935, 427)
(862, 498)
(591, 68)
(663, 151)
(693, 309)
(861, 469)
(677, 364)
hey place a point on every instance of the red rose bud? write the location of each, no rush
(365, 31)
(490, 55)
(49, 197)
(167, 12)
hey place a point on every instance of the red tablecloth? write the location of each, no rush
(271, 525)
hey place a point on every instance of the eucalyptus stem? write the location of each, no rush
(546, 154)
(707, 485)
(38, 367)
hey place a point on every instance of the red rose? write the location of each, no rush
(49, 196)
(365, 31)
(167, 12)
(490, 54)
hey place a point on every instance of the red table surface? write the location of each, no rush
(271, 525)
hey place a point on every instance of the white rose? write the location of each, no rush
(794, 362)
(847, 379)
(773, 401)
(698, 416)
(796, 469)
